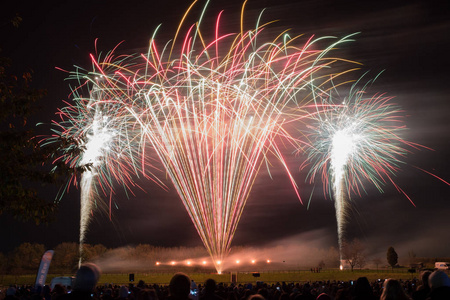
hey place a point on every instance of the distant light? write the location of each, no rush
(268, 261)
(238, 261)
(172, 263)
(204, 262)
(158, 263)
(220, 272)
(253, 261)
(188, 262)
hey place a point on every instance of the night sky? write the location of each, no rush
(407, 39)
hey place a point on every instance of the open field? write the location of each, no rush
(241, 277)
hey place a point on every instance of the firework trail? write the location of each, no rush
(355, 141)
(97, 143)
(105, 142)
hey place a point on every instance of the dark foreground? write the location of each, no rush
(359, 288)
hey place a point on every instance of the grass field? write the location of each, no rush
(241, 277)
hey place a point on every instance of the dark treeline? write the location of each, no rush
(25, 259)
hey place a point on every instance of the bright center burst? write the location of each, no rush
(343, 147)
(355, 143)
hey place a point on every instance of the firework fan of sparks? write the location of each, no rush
(210, 113)
(105, 143)
(355, 141)
(212, 118)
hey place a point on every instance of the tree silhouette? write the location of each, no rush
(25, 166)
(26, 258)
(354, 253)
(377, 262)
(392, 257)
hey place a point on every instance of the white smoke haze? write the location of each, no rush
(303, 251)
(147, 258)
(299, 252)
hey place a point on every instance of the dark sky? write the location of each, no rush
(407, 39)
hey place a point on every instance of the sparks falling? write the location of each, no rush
(104, 146)
(355, 142)
(97, 144)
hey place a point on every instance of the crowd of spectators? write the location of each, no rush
(432, 286)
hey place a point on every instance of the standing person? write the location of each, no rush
(363, 290)
(393, 290)
(85, 282)
(179, 287)
(209, 291)
(58, 291)
(194, 290)
(439, 285)
(423, 290)
(11, 294)
(124, 292)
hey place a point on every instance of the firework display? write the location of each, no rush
(353, 141)
(212, 120)
(209, 113)
(107, 144)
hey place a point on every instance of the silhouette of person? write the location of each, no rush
(439, 285)
(393, 290)
(179, 287)
(423, 290)
(363, 290)
(85, 282)
(210, 291)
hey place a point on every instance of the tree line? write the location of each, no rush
(25, 258)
